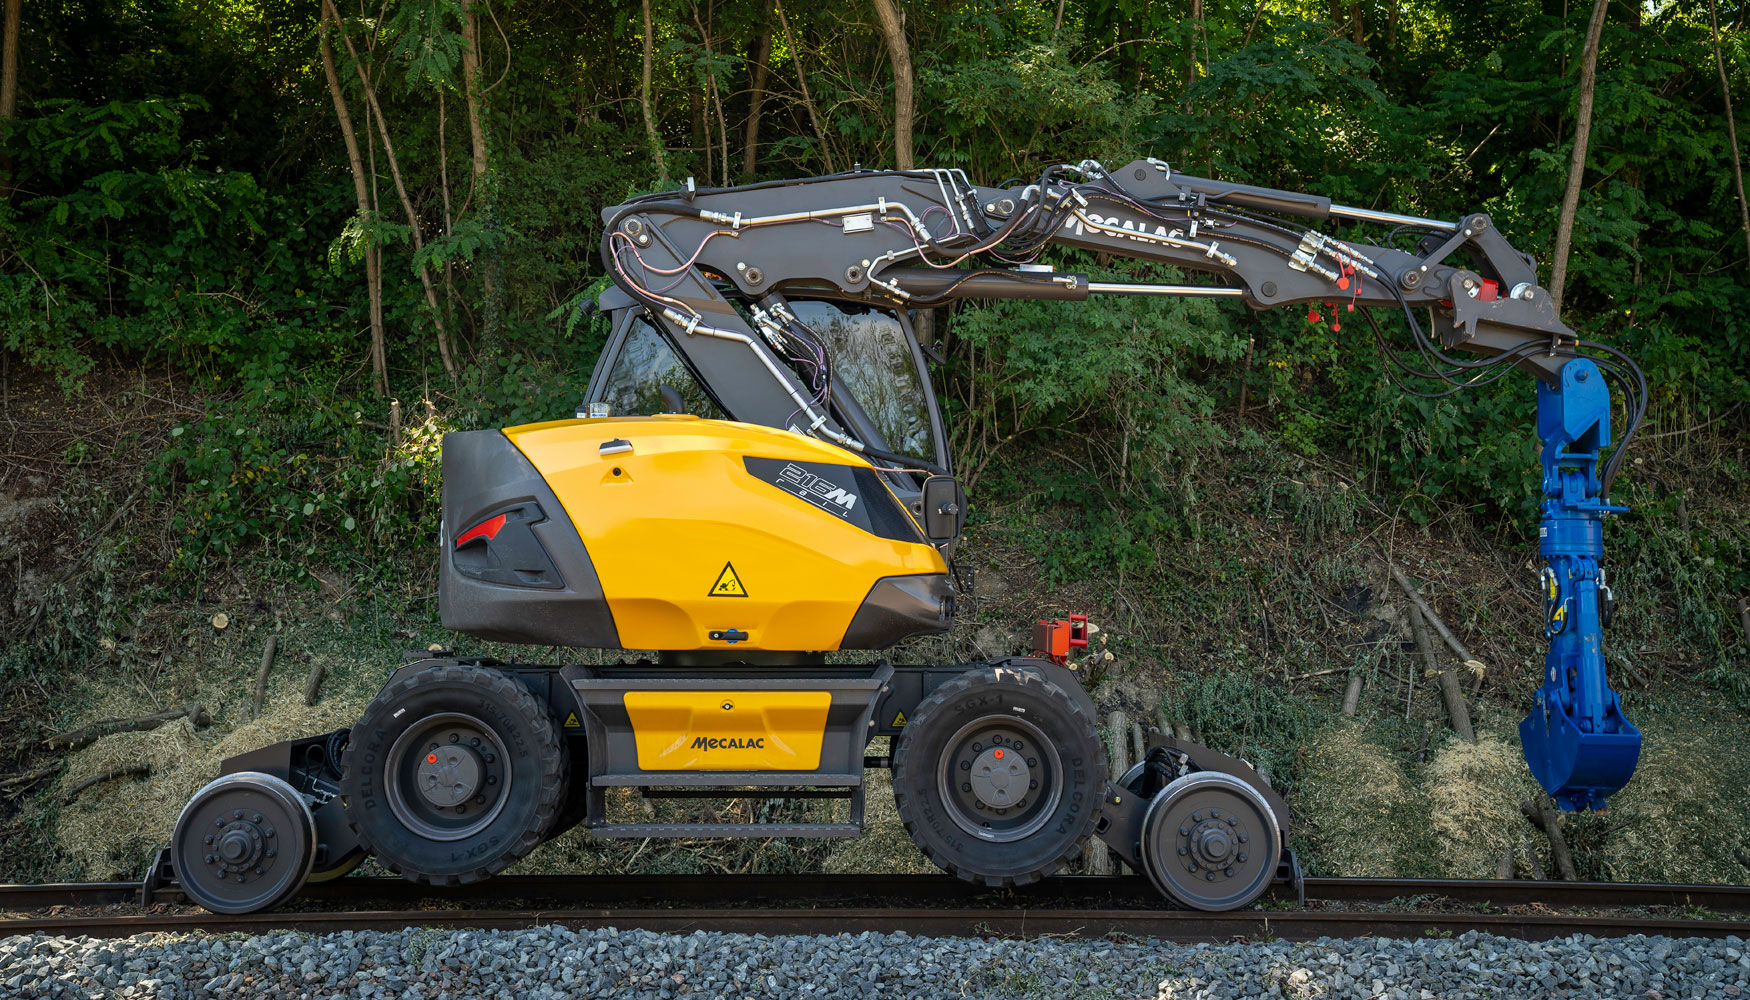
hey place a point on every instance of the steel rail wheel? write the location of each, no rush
(452, 774)
(244, 842)
(998, 775)
(1211, 841)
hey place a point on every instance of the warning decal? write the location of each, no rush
(728, 584)
(898, 720)
(571, 721)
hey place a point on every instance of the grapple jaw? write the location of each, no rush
(1579, 770)
(1576, 740)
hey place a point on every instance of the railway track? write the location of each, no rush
(1084, 906)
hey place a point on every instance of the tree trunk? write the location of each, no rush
(9, 62)
(762, 54)
(1191, 48)
(650, 135)
(490, 272)
(1577, 163)
(802, 80)
(899, 54)
(1713, 14)
(1358, 24)
(373, 263)
(437, 312)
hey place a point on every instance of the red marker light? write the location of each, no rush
(998, 754)
(487, 529)
(431, 758)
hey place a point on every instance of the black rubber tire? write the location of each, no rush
(999, 690)
(537, 760)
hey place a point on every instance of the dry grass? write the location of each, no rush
(1361, 807)
(1473, 793)
(884, 847)
(111, 829)
(1687, 810)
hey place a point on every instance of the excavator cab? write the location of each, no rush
(885, 396)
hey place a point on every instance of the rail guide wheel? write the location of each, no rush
(245, 842)
(1211, 841)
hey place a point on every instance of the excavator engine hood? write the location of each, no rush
(674, 533)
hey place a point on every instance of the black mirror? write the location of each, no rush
(944, 508)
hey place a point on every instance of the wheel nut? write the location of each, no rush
(474, 742)
(966, 765)
(1228, 872)
(209, 838)
(1183, 850)
(492, 779)
(1032, 784)
(966, 786)
(1241, 857)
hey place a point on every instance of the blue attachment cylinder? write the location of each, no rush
(1576, 741)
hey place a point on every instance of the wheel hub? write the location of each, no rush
(447, 777)
(241, 846)
(999, 777)
(450, 775)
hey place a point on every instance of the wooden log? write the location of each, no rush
(1119, 724)
(1531, 857)
(24, 779)
(1352, 696)
(1504, 864)
(111, 774)
(79, 738)
(1543, 815)
(1456, 710)
(267, 652)
(313, 682)
(1458, 648)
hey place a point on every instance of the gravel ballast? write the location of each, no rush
(556, 962)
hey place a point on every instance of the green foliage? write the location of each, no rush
(1248, 718)
(179, 197)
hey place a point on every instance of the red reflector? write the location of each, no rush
(997, 754)
(486, 529)
(431, 758)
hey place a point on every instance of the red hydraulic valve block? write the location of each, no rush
(1054, 640)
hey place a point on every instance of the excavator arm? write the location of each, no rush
(716, 270)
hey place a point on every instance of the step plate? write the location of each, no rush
(760, 779)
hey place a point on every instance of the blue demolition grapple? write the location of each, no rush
(1577, 743)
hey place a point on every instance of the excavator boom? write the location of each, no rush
(716, 270)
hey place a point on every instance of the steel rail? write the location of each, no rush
(1175, 925)
(841, 890)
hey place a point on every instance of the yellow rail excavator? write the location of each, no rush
(759, 476)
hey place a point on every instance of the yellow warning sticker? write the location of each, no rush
(898, 720)
(728, 584)
(571, 721)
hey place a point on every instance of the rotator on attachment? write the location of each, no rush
(1577, 742)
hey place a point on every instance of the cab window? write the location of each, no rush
(872, 358)
(645, 364)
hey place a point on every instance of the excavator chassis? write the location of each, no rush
(614, 722)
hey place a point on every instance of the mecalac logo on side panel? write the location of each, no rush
(729, 743)
(823, 493)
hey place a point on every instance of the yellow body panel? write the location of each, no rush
(670, 523)
(728, 730)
